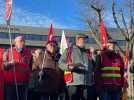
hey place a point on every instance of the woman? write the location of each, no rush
(49, 76)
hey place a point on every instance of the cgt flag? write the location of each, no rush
(50, 34)
(8, 10)
(63, 44)
(126, 63)
(103, 34)
(126, 57)
(1, 74)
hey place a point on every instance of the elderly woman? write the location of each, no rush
(49, 76)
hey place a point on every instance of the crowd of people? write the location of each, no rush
(78, 74)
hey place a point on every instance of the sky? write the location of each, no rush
(40, 13)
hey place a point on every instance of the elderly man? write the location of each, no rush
(76, 61)
(17, 70)
(110, 72)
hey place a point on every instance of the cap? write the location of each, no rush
(19, 38)
(80, 35)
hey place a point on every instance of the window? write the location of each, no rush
(35, 37)
(121, 42)
(4, 35)
(90, 40)
(44, 37)
(57, 38)
(72, 39)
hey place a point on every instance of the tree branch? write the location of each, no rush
(94, 34)
(124, 23)
(130, 15)
(131, 21)
(98, 10)
(116, 22)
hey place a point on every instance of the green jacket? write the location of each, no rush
(81, 75)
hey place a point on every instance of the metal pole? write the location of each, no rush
(12, 59)
(42, 66)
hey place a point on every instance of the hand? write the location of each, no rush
(125, 85)
(92, 49)
(11, 62)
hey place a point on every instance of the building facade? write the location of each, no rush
(36, 36)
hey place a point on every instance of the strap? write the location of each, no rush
(5, 57)
(43, 60)
(69, 55)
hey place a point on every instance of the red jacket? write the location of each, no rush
(1, 75)
(22, 66)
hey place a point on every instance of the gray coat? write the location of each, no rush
(82, 75)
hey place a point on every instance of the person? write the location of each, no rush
(49, 76)
(17, 62)
(131, 69)
(131, 63)
(109, 73)
(1, 74)
(75, 60)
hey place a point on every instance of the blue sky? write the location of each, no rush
(40, 13)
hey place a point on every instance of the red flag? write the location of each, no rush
(8, 9)
(1, 74)
(68, 75)
(126, 63)
(50, 34)
(126, 58)
(103, 34)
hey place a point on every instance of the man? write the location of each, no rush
(17, 70)
(131, 67)
(76, 61)
(109, 72)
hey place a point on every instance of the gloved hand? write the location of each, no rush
(125, 85)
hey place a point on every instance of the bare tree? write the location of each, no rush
(128, 33)
(94, 10)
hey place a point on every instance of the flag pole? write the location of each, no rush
(8, 18)
(12, 57)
